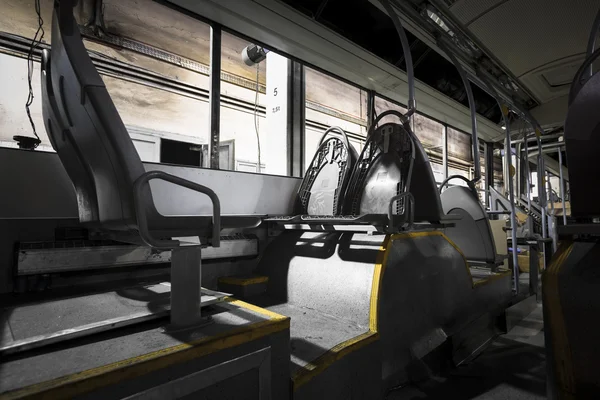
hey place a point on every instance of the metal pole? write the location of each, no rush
(469, 91)
(489, 170)
(445, 152)
(562, 186)
(518, 170)
(550, 192)
(214, 103)
(592, 40)
(528, 176)
(513, 211)
(410, 73)
(186, 286)
(296, 119)
(541, 186)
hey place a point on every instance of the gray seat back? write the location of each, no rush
(472, 233)
(382, 172)
(582, 140)
(324, 185)
(87, 131)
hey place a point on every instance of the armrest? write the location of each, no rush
(142, 219)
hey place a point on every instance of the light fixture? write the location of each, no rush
(253, 54)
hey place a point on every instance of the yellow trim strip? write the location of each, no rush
(563, 364)
(273, 316)
(492, 278)
(111, 374)
(382, 256)
(232, 280)
(320, 364)
(309, 371)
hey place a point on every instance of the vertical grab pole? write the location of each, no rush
(562, 186)
(410, 73)
(527, 171)
(592, 40)
(541, 185)
(214, 93)
(469, 91)
(548, 176)
(511, 189)
(445, 152)
(513, 211)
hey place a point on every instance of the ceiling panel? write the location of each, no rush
(469, 10)
(526, 35)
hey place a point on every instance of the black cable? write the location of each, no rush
(256, 118)
(36, 41)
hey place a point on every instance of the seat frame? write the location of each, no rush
(112, 187)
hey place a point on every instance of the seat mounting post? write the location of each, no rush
(186, 283)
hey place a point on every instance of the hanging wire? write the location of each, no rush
(36, 41)
(256, 119)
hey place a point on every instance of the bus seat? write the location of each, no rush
(382, 172)
(85, 128)
(472, 233)
(324, 185)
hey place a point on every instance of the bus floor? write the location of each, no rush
(512, 367)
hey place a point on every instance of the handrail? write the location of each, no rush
(469, 91)
(142, 219)
(577, 79)
(411, 209)
(412, 105)
(469, 183)
(592, 39)
(511, 191)
(562, 187)
(340, 131)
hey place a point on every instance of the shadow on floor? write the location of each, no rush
(513, 367)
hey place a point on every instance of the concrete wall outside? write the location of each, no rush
(175, 116)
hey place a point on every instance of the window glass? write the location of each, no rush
(459, 155)
(431, 135)
(157, 98)
(458, 170)
(332, 102)
(13, 95)
(254, 105)
(459, 145)
(382, 105)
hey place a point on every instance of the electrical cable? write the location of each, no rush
(36, 41)
(256, 119)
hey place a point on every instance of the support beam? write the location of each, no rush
(296, 119)
(214, 102)
(370, 109)
(186, 284)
